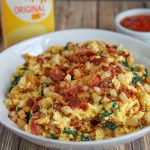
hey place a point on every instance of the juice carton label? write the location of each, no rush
(23, 19)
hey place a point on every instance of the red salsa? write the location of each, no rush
(139, 23)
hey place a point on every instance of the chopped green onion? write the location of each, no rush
(53, 136)
(70, 132)
(125, 63)
(85, 138)
(110, 125)
(14, 83)
(45, 84)
(115, 105)
(105, 114)
(146, 73)
(41, 93)
(18, 108)
(135, 79)
(135, 69)
(28, 116)
(24, 68)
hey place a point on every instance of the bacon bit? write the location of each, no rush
(57, 130)
(84, 106)
(71, 92)
(82, 55)
(95, 81)
(26, 108)
(56, 74)
(25, 64)
(112, 51)
(106, 83)
(35, 107)
(40, 59)
(141, 108)
(35, 129)
(105, 68)
(62, 102)
(38, 98)
(86, 51)
(79, 103)
(30, 103)
(116, 71)
(76, 122)
(12, 108)
(128, 92)
(122, 53)
(143, 121)
(70, 71)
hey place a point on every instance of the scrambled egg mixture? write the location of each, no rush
(80, 92)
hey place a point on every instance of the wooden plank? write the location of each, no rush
(8, 140)
(75, 14)
(108, 10)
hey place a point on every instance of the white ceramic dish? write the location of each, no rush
(145, 36)
(12, 57)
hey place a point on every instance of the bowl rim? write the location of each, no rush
(23, 134)
(128, 13)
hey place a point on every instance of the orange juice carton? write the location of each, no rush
(23, 19)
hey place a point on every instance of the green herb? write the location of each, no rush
(24, 68)
(53, 136)
(110, 125)
(135, 69)
(101, 54)
(135, 79)
(66, 46)
(18, 108)
(125, 63)
(14, 83)
(70, 132)
(45, 84)
(85, 138)
(105, 114)
(41, 92)
(99, 103)
(115, 105)
(28, 116)
(146, 73)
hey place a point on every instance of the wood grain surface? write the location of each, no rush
(81, 14)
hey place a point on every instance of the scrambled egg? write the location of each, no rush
(80, 92)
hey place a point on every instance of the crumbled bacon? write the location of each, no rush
(12, 108)
(36, 129)
(105, 68)
(76, 122)
(83, 55)
(40, 59)
(35, 107)
(30, 103)
(55, 74)
(112, 52)
(94, 81)
(128, 92)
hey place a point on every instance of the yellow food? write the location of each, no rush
(80, 92)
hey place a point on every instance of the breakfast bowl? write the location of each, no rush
(12, 57)
(142, 35)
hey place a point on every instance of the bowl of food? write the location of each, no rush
(134, 22)
(76, 89)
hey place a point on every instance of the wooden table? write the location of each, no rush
(81, 14)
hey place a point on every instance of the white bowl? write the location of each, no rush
(145, 36)
(12, 57)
